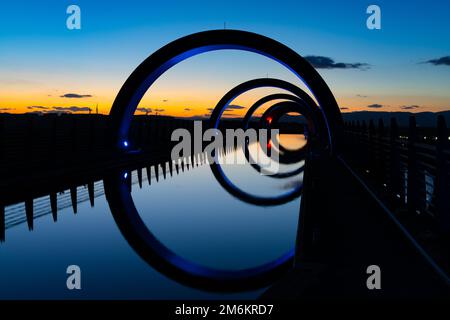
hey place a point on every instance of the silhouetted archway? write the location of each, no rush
(155, 65)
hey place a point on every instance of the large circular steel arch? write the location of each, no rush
(155, 65)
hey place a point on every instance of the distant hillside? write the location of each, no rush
(423, 119)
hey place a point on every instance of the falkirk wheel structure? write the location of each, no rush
(324, 123)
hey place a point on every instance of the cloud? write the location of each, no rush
(42, 112)
(361, 96)
(146, 110)
(6, 109)
(160, 110)
(409, 107)
(37, 107)
(187, 109)
(36, 112)
(72, 109)
(375, 106)
(443, 61)
(344, 108)
(75, 96)
(321, 62)
(233, 106)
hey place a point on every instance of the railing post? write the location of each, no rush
(53, 139)
(92, 129)
(442, 181)
(54, 205)
(412, 165)
(363, 147)
(74, 137)
(91, 193)
(378, 158)
(139, 174)
(371, 149)
(29, 140)
(149, 174)
(416, 179)
(74, 198)
(29, 212)
(395, 177)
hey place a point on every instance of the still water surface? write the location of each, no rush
(190, 213)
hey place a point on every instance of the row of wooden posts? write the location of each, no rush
(409, 167)
(27, 213)
(37, 142)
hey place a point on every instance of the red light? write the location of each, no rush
(269, 120)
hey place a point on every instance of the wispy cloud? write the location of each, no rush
(75, 96)
(321, 62)
(361, 96)
(55, 109)
(375, 106)
(37, 107)
(146, 110)
(409, 107)
(443, 61)
(234, 106)
(187, 109)
(343, 108)
(72, 109)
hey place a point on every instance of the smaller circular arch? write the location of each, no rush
(278, 96)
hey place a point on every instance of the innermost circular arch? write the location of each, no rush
(183, 48)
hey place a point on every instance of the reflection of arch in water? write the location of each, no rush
(165, 261)
(155, 65)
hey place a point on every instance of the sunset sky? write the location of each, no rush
(46, 67)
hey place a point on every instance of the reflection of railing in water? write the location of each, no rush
(32, 208)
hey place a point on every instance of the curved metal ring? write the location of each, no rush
(288, 157)
(155, 65)
(214, 123)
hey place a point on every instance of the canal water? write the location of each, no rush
(190, 213)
